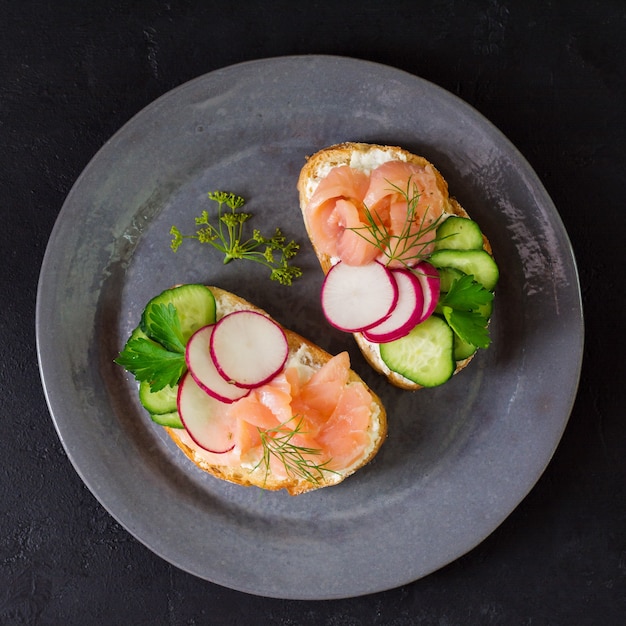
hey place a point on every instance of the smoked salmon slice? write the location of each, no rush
(409, 195)
(337, 219)
(354, 242)
(402, 199)
(320, 416)
(319, 396)
(341, 182)
(344, 435)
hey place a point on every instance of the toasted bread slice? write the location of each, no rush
(366, 157)
(310, 357)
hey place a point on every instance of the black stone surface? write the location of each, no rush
(550, 75)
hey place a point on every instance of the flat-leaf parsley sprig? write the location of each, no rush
(158, 359)
(461, 307)
(227, 236)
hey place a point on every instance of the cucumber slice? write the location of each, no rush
(486, 309)
(158, 402)
(478, 263)
(459, 233)
(425, 355)
(161, 405)
(168, 419)
(447, 275)
(195, 305)
(462, 349)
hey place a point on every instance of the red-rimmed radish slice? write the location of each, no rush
(248, 348)
(358, 297)
(205, 418)
(429, 279)
(203, 370)
(405, 315)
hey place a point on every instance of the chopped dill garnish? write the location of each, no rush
(407, 247)
(278, 442)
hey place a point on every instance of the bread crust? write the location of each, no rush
(315, 357)
(316, 168)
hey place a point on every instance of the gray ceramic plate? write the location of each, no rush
(458, 458)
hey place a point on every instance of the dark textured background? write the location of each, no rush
(550, 75)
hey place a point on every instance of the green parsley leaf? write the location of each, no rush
(469, 325)
(162, 324)
(466, 294)
(460, 307)
(149, 361)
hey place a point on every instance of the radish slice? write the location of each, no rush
(203, 370)
(405, 315)
(248, 348)
(205, 418)
(358, 297)
(429, 279)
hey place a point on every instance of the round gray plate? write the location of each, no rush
(458, 458)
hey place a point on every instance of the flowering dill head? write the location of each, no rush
(226, 234)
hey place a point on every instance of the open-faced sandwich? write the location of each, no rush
(407, 271)
(247, 400)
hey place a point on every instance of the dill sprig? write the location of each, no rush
(396, 247)
(227, 236)
(278, 442)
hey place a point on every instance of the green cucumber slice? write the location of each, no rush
(486, 309)
(459, 233)
(195, 305)
(161, 405)
(168, 419)
(462, 349)
(478, 263)
(158, 402)
(425, 355)
(447, 275)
